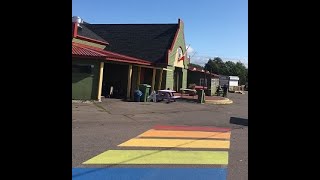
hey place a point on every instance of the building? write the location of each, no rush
(122, 56)
(234, 81)
(231, 81)
(203, 80)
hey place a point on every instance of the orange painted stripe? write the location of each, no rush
(177, 143)
(192, 128)
(186, 134)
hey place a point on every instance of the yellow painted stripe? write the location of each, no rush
(176, 143)
(186, 134)
(160, 157)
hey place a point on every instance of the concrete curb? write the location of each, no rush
(84, 101)
(224, 101)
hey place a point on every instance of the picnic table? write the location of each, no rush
(167, 95)
(190, 92)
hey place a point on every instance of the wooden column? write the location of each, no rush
(129, 81)
(153, 79)
(100, 81)
(160, 79)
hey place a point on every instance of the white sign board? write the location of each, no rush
(233, 83)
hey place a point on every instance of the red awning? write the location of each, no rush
(80, 51)
(83, 51)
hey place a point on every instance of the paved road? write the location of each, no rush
(99, 127)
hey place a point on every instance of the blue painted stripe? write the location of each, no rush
(149, 173)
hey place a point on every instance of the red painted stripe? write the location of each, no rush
(174, 40)
(191, 128)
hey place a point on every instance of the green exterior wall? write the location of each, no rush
(184, 78)
(169, 78)
(88, 43)
(164, 82)
(180, 42)
(85, 86)
(214, 84)
(169, 75)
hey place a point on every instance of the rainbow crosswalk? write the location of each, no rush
(148, 173)
(172, 145)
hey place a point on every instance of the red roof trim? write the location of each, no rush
(202, 71)
(126, 61)
(82, 51)
(92, 40)
(201, 87)
(175, 36)
(88, 57)
(174, 41)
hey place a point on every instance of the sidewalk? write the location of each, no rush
(208, 99)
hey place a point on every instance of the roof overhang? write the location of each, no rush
(194, 69)
(82, 51)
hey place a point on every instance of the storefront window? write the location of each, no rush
(203, 82)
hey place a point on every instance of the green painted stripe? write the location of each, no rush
(160, 157)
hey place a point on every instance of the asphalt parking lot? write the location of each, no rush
(99, 127)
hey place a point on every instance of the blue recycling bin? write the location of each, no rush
(137, 95)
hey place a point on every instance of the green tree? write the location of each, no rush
(215, 65)
(228, 68)
(242, 72)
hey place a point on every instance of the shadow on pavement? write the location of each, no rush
(239, 121)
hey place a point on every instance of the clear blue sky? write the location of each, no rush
(212, 27)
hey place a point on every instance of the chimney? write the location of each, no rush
(77, 20)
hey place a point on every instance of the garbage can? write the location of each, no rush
(225, 90)
(145, 89)
(201, 96)
(137, 95)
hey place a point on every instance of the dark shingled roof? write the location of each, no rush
(144, 41)
(84, 31)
